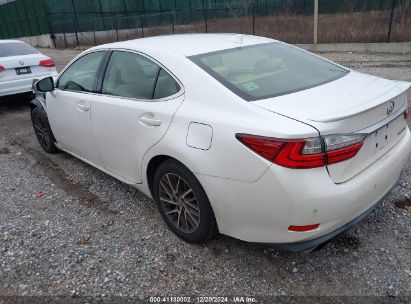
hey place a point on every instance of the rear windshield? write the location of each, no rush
(267, 70)
(16, 49)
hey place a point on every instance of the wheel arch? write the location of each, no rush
(152, 167)
(154, 163)
(36, 103)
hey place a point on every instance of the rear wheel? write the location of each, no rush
(183, 203)
(42, 130)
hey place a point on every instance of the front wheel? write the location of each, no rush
(183, 203)
(42, 130)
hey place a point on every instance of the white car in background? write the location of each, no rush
(242, 135)
(20, 64)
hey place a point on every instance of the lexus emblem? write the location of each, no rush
(390, 108)
(21, 62)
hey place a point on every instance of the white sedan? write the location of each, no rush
(20, 64)
(242, 135)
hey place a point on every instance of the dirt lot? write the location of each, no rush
(67, 229)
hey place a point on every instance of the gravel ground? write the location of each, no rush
(69, 230)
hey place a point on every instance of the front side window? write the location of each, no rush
(134, 76)
(82, 74)
(267, 70)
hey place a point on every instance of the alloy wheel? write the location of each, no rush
(41, 130)
(179, 203)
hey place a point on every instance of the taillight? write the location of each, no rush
(406, 113)
(2, 68)
(304, 153)
(48, 63)
(342, 147)
(294, 155)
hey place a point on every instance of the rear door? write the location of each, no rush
(69, 107)
(134, 110)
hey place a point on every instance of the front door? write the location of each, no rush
(69, 107)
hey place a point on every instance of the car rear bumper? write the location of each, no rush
(262, 211)
(305, 245)
(20, 85)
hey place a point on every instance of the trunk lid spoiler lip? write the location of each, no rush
(400, 87)
(369, 130)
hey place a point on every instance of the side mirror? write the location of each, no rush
(44, 85)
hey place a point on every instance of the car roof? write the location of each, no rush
(10, 40)
(188, 44)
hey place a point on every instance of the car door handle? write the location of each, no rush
(83, 107)
(150, 120)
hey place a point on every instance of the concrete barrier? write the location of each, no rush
(100, 37)
(43, 41)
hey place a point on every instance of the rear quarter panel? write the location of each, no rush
(209, 102)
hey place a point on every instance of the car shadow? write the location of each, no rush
(15, 102)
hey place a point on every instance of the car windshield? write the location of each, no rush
(16, 49)
(267, 70)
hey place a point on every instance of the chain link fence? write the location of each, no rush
(78, 22)
(23, 18)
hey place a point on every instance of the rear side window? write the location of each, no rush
(82, 74)
(166, 85)
(8, 49)
(134, 76)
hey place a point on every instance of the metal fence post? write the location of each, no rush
(94, 32)
(101, 14)
(51, 30)
(115, 24)
(75, 31)
(315, 21)
(205, 17)
(27, 18)
(172, 15)
(75, 20)
(175, 19)
(161, 12)
(126, 13)
(7, 28)
(142, 27)
(189, 11)
(253, 17)
(393, 3)
(256, 6)
(65, 40)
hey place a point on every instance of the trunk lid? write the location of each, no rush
(23, 61)
(354, 103)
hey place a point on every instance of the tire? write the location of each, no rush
(43, 131)
(184, 202)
